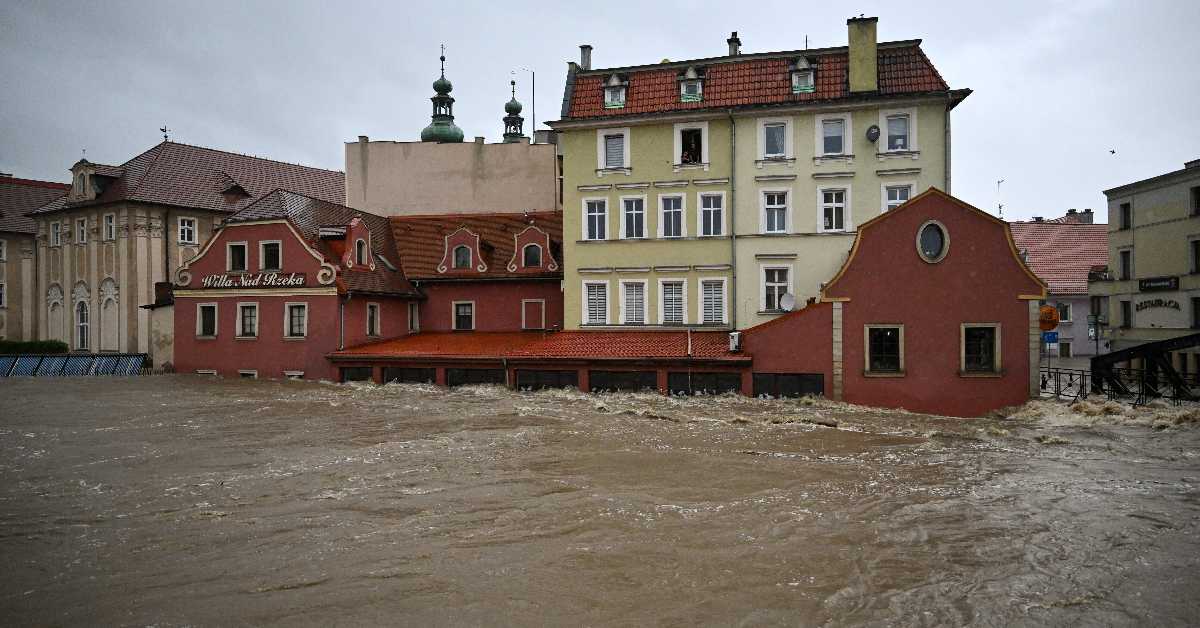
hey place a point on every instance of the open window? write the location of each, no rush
(692, 145)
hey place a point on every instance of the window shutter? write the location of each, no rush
(635, 301)
(614, 151)
(672, 303)
(714, 305)
(597, 304)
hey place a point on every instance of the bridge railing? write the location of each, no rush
(76, 365)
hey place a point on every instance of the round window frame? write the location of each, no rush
(945, 241)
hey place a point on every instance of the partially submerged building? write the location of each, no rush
(18, 262)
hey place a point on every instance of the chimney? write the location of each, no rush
(864, 59)
(1070, 212)
(478, 139)
(735, 45)
(585, 57)
(1195, 163)
(1085, 216)
(363, 139)
(1038, 219)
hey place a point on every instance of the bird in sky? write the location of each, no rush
(1112, 151)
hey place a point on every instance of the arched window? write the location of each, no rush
(81, 325)
(532, 255)
(360, 252)
(462, 257)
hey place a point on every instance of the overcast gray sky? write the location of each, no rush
(1057, 84)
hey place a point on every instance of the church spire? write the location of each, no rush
(513, 122)
(442, 128)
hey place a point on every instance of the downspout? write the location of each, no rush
(949, 105)
(342, 321)
(733, 309)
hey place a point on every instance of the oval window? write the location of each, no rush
(932, 242)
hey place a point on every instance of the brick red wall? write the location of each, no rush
(497, 303)
(800, 342)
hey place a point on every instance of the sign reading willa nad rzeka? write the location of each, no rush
(254, 280)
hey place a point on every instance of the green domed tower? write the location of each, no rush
(442, 128)
(513, 122)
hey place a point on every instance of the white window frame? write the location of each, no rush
(645, 300)
(601, 165)
(883, 192)
(378, 331)
(762, 283)
(683, 85)
(365, 260)
(662, 310)
(81, 230)
(1070, 311)
(200, 320)
(847, 135)
(195, 227)
(997, 366)
(724, 299)
(525, 322)
(614, 104)
(867, 349)
(55, 234)
(229, 256)
(884, 114)
(454, 315)
(454, 257)
(683, 231)
(762, 209)
(847, 222)
(584, 208)
(541, 255)
(624, 234)
(684, 126)
(700, 209)
(788, 148)
(239, 331)
(109, 222)
(287, 308)
(607, 301)
(262, 257)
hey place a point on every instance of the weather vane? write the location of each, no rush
(165, 130)
(443, 58)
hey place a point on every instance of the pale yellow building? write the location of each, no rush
(766, 162)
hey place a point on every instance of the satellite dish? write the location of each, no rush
(787, 302)
(872, 133)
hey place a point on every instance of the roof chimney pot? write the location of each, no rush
(585, 57)
(735, 44)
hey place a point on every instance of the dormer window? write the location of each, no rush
(462, 257)
(802, 77)
(360, 252)
(691, 86)
(532, 256)
(614, 92)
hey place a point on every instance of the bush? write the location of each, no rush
(33, 346)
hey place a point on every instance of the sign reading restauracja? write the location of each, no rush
(254, 280)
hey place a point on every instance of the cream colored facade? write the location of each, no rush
(406, 178)
(1156, 223)
(16, 275)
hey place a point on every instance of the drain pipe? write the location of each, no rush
(733, 301)
(342, 322)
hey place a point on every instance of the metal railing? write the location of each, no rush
(77, 365)
(1138, 386)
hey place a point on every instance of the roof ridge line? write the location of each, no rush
(229, 152)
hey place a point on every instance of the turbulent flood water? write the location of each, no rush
(187, 501)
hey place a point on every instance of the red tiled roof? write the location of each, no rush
(759, 80)
(21, 196)
(421, 240)
(1061, 253)
(589, 345)
(194, 176)
(308, 214)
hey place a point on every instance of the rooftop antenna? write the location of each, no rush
(443, 59)
(999, 205)
(532, 99)
(165, 131)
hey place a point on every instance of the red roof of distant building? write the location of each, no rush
(421, 241)
(589, 345)
(1062, 253)
(21, 196)
(757, 79)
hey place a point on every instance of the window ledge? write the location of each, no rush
(295, 338)
(600, 172)
(206, 337)
(691, 166)
(981, 374)
(830, 159)
(270, 270)
(885, 374)
(774, 161)
(771, 312)
(245, 337)
(186, 242)
(898, 154)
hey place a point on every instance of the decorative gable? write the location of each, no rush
(532, 236)
(358, 253)
(462, 238)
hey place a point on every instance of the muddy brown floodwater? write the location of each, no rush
(182, 500)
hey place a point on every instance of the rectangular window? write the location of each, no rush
(980, 348)
(1126, 212)
(633, 306)
(372, 319)
(268, 255)
(691, 143)
(1126, 315)
(3, 250)
(247, 320)
(712, 294)
(1195, 201)
(236, 257)
(691, 91)
(775, 285)
(672, 302)
(614, 97)
(3, 294)
(1194, 248)
(595, 303)
(206, 320)
(775, 140)
(885, 349)
(414, 321)
(110, 226)
(81, 231)
(596, 219)
(1064, 349)
(775, 209)
(634, 221)
(1195, 312)
(614, 150)
(896, 195)
(187, 230)
(897, 132)
(55, 234)
(833, 210)
(671, 223)
(1064, 312)
(833, 134)
(296, 324)
(712, 214)
(1126, 264)
(464, 316)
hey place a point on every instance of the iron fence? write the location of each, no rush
(1137, 386)
(78, 365)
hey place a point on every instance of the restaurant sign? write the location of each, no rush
(1158, 284)
(254, 280)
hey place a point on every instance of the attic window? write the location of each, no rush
(614, 92)
(802, 77)
(532, 255)
(462, 257)
(691, 86)
(360, 252)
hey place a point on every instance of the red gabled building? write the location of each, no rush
(284, 282)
